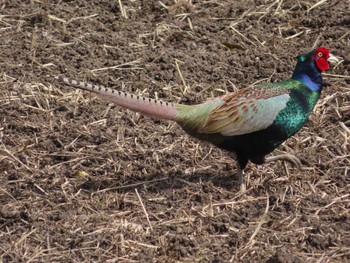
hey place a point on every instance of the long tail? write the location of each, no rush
(151, 107)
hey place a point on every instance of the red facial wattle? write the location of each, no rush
(322, 64)
(320, 57)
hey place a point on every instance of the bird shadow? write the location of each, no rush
(157, 182)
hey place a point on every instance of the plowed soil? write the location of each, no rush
(86, 181)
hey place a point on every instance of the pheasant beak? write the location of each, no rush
(333, 59)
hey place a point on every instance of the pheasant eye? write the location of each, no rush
(320, 54)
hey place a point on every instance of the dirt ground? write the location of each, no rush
(82, 180)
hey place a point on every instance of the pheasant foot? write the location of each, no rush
(286, 157)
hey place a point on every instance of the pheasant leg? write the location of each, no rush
(241, 178)
(286, 157)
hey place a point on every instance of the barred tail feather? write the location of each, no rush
(147, 106)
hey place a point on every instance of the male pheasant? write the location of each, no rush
(250, 122)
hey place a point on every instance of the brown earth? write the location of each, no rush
(85, 181)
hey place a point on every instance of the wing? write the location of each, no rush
(246, 111)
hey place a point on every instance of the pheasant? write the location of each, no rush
(250, 122)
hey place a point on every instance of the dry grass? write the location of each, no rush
(85, 181)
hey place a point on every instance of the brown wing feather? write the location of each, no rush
(240, 108)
